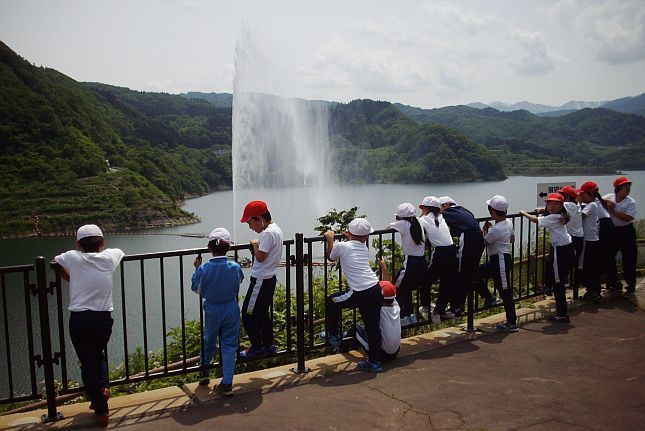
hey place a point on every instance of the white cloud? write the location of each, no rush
(534, 57)
(353, 63)
(614, 31)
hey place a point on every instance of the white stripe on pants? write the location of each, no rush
(556, 273)
(502, 270)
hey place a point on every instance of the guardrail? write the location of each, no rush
(155, 288)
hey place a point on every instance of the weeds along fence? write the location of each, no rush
(158, 320)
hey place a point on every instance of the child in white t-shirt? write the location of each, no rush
(591, 253)
(561, 256)
(622, 209)
(90, 273)
(267, 250)
(390, 321)
(364, 289)
(413, 273)
(498, 238)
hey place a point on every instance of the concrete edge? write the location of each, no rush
(146, 406)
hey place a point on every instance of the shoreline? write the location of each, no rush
(114, 229)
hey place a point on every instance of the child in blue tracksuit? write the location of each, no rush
(218, 283)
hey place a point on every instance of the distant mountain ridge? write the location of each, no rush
(628, 105)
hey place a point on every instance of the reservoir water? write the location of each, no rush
(293, 209)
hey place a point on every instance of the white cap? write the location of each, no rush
(431, 201)
(447, 200)
(500, 203)
(405, 210)
(87, 231)
(360, 227)
(220, 234)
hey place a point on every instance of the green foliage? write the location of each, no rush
(375, 142)
(528, 144)
(391, 252)
(336, 221)
(56, 135)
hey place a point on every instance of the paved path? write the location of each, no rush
(589, 375)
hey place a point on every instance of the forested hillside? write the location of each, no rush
(598, 139)
(374, 142)
(58, 136)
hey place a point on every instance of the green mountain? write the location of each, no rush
(59, 137)
(629, 105)
(526, 144)
(374, 142)
(221, 100)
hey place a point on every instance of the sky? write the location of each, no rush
(421, 53)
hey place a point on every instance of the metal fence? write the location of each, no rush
(152, 294)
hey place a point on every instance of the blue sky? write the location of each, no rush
(422, 53)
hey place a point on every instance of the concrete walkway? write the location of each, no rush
(587, 375)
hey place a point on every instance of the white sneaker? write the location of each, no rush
(412, 319)
(424, 312)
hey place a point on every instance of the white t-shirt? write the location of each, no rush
(355, 264)
(498, 238)
(390, 325)
(270, 242)
(410, 248)
(602, 212)
(439, 236)
(557, 229)
(574, 227)
(91, 277)
(590, 221)
(626, 206)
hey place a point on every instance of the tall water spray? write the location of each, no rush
(278, 141)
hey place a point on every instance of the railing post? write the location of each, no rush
(470, 325)
(47, 359)
(300, 306)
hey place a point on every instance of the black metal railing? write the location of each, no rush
(152, 294)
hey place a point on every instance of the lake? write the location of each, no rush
(293, 209)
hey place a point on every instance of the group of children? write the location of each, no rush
(586, 231)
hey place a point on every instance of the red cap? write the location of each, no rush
(253, 209)
(569, 191)
(620, 181)
(388, 289)
(554, 197)
(588, 187)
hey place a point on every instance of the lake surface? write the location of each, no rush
(293, 209)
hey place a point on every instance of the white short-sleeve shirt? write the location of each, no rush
(354, 262)
(590, 221)
(439, 236)
(602, 212)
(91, 277)
(498, 238)
(626, 206)
(557, 229)
(390, 325)
(270, 242)
(410, 248)
(574, 227)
